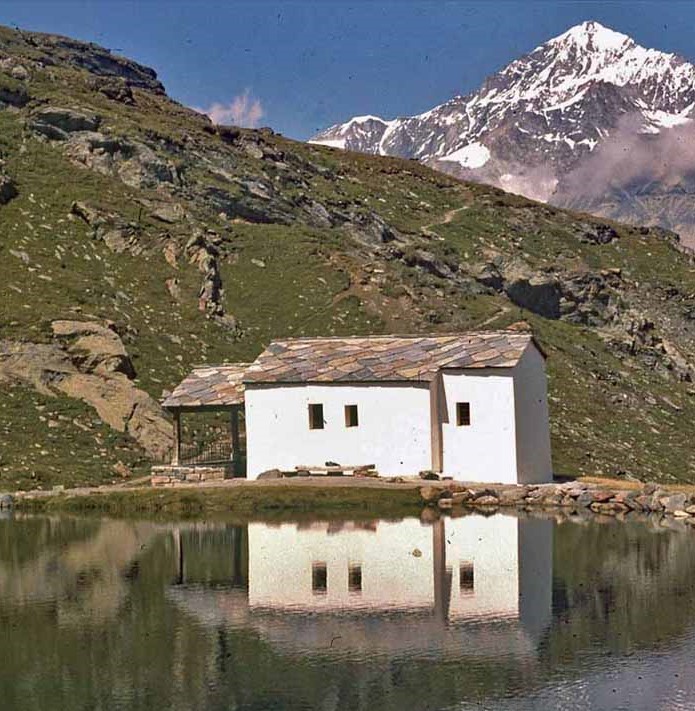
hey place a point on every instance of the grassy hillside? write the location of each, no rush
(200, 244)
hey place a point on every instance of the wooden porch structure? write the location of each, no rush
(216, 389)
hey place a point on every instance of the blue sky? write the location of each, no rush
(300, 66)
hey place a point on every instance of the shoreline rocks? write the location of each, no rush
(571, 495)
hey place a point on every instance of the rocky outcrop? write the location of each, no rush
(87, 361)
(114, 88)
(133, 162)
(540, 295)
(203, 250)
(94, 347)
(119, 236)
(56, 123)
(368, 227)
(51, 49)
(13, 93)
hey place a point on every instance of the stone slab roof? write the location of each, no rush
(210, 386)
(384, 358)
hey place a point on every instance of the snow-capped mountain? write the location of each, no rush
(589, 119)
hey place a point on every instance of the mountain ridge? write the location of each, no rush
(535, 126)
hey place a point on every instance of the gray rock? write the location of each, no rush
(487, 500)
(598, 233)
(19, 72)
(270, 474)
(511, 497)
(673, 503)
(14, 96)
(586, 498)
(429, 475)
(56, 123)
(6, 502)
(8, 190)
(539, 295)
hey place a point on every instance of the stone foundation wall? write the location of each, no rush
(169, 475)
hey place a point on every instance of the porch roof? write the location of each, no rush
(209, 386)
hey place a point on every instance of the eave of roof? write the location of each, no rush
(209, 386)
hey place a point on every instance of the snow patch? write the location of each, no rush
(331, 142)
(667, 120)
(364, 119)
(474, 155)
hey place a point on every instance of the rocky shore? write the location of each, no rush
(572, 495)
(432, 498)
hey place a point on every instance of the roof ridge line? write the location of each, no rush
(403, 335)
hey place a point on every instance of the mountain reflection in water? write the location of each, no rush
(466, 612)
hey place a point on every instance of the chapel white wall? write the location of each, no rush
(534, 464)
(393, 432)
(485, 450)
(281, 559)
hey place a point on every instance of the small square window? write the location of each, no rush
(319, 578)
(466, 578)
(315, 417)
(463, 414)
(351, 419)
(355, 578)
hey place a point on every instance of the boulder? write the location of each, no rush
(513, 496)
(428, 475)
(113, 88)
(13, 95)
(271, 474)
(461, 497)
(8, 189)
(601, 495)
(370, 228)
(597, 233)
(586, 498)
(673, 503)
(487, 500)
(430, 494)
(6, 502)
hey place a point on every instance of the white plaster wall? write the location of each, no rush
(484, 451)
(281, 560)
(534, 465)
(491, 545)
(393, 431)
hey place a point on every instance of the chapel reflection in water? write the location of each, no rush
(471, 585)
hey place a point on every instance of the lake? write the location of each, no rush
(471, 612)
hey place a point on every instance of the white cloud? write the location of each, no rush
(243, 110)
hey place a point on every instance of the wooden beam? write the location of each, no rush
(234, 427)
(176, 453)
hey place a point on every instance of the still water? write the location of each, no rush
(475, 612)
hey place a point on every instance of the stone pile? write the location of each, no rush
(171, 474)
(573, 495)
